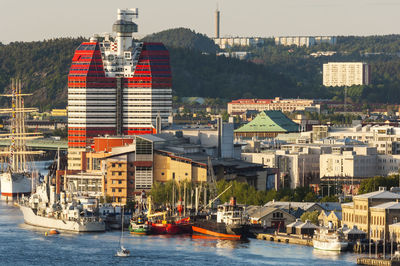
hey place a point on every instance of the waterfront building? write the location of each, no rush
(305, 40)
(382, 216)
(129, 166)
(346, 74)
(270, 217)
(238, 107)
(116, 87)
(334, 217)
(267, 124)
(359, 212)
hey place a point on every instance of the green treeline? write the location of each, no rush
(197, 70)
(372, 184)
(245, 194)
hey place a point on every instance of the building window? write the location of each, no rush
(119, 190)
(119, 173)
(119, 181)
(186, 173)
(119, 165)
(131, 181)
(113, 165)
(113, 190)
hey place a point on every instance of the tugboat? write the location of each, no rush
(139, 226)
(229, 223)
(329, 239)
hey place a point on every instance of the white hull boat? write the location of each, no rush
(331, 246)
(86, 224)
(14, 185)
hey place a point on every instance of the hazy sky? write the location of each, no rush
(29, 20)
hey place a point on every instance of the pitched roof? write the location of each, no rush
(331, 206)
(285, 204)
(260, 212)
(388, 205)
(380, 194)
(270, 121)
(295, 223)
(308, 224)
(337, 214)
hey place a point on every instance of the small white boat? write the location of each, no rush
(122, 252)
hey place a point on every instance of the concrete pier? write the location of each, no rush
(284, 238)
(377, 262)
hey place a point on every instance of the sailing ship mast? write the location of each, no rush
(17, 151)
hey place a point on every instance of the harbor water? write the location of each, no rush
(21, 244)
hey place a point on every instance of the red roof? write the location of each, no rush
(252, 101)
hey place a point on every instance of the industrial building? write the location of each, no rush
(116, 87)
(338, 74)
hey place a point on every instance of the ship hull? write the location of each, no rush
(139, 229)
(32, 219)
(220, 230)
(14, 185)
(171, 229)
(331, 246)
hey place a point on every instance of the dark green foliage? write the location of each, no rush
(246, 194)
(274, 70)
(61, 132)
(311, 216)
(196, 74)
(330, 199)
(42, 66)
(373, 183)
(183, 38)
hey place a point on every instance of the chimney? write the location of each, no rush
(217, 23)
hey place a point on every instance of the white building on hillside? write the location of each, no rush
(338, 74)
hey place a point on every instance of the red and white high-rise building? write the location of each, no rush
(116, 86)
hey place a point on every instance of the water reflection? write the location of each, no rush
(326, 254)
(209, 241)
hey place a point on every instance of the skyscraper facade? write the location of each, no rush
(116, 86)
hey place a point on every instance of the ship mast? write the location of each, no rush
(17, 151)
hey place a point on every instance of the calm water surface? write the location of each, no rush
(21, 244)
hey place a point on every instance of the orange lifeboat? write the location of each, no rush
(53, 232)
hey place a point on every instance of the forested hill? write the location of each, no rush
(197, 71)
(183, 38)
(42, 66)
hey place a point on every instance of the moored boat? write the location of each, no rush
(16, 179)
(139, 226)
(228, 223)
(329, 239)
(43, 210)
